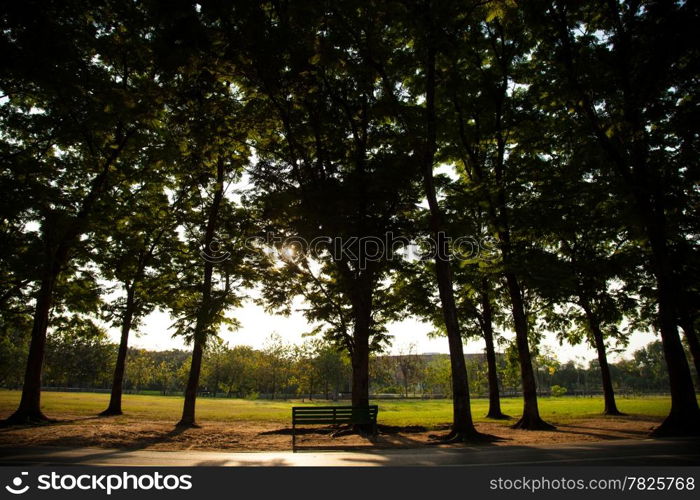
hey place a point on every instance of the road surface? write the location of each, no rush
(615, 452)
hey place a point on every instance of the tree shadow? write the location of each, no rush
(288, 431)
(387, 437)
(136, 442)
(468, 439)
(47, 423)
(602, 433)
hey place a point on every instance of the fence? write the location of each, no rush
(346, 396)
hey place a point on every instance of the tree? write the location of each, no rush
(584, 278)
(429, 50)
(480, 293)
(214, 372)
(134, 249)
(210, 134)
(332, 171)
(78, 354)
(239, 371)
(14, 344)
(439, 376)
(475, 279)
(410, 367)
(486, 120)
(627, 119)
(74, 138)
(202, 308)
(305, 375)
(332, 366)
(275, 364)
(140, 371)
(166, 377)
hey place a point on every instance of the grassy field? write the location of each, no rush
(391, 412)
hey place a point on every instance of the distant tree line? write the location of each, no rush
(318, 369)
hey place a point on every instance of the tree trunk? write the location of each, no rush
(462, 423)
(204, 310)
(115, 399)
(684, 417)
(693, 344)
(531, 414)
(360, 352)
(608, 392)
(188, 411)
(29, 410)
(487, 331)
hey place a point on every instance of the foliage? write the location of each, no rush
(557, 391)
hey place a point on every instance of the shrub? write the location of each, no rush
(557, 390)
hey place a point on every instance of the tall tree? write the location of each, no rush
(333, 168)
(483, 65)
(476, 296)
(214, 269)
(76, 137)
(462, 425)
(134, 250)
(624, 68)
(585, 259)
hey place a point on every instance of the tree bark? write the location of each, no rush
(599, 341)
(684, 417)
(530, 419)
(693, 344)
(362, 308)
(188, 410)
(115, 399)
(487, 331)
(29, 410)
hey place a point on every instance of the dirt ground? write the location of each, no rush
(265, 436)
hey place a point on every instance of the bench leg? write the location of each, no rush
(294, 438)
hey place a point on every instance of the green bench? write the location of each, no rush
(309, 415)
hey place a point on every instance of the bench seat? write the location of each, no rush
(331, 415)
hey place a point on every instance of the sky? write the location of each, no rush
(257, 325)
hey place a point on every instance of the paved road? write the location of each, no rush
(618, 452)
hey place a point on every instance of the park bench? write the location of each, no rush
(309, 415)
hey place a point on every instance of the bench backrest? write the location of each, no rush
(334, 414)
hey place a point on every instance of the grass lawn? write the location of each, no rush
(428, 413)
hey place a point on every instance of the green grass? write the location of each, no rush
(391, 412)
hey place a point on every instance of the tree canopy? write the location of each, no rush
(190, 157)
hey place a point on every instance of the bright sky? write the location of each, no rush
(257, 325)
